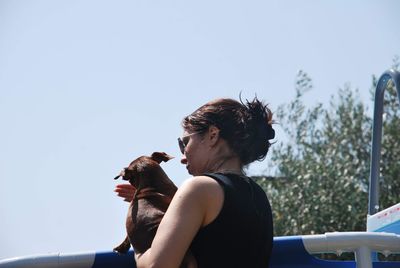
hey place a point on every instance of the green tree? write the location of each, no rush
(322, 170)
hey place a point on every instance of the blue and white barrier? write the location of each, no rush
(387, 220)
(72, 260)
(288, 252)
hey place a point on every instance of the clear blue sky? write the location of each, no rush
(87, 86)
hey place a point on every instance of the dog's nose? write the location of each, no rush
(121, 174)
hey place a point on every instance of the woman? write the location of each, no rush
(222, 215)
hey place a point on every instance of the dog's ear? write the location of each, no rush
(161, 156)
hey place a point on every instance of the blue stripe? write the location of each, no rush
(112, 259)
(393, 227)
(289, 252)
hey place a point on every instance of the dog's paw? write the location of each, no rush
(123, 248)
(120, 251)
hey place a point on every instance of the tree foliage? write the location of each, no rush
(322, 169)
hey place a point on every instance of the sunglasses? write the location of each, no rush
(183, 141)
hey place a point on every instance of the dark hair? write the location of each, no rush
(247, 127)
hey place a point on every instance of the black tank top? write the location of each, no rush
(242, 234)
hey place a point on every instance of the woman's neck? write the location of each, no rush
(228, 165)
(223, 159)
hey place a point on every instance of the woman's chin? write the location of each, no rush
(189, 170)
(193, 172)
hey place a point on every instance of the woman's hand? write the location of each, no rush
(126, 191)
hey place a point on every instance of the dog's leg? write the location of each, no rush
(124, 247)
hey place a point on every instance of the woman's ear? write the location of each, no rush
(213, 135)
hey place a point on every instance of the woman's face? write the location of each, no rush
(195, 155)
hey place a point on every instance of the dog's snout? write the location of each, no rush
(121, 174)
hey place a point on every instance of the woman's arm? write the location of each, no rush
(194, 205)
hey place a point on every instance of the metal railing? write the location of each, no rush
(373, 206)
(361, 243)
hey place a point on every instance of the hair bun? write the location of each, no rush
(271, 132)
(261, 116)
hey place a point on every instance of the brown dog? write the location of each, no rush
(154, 192)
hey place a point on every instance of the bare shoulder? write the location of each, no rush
(207, 193)
(201, 185)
